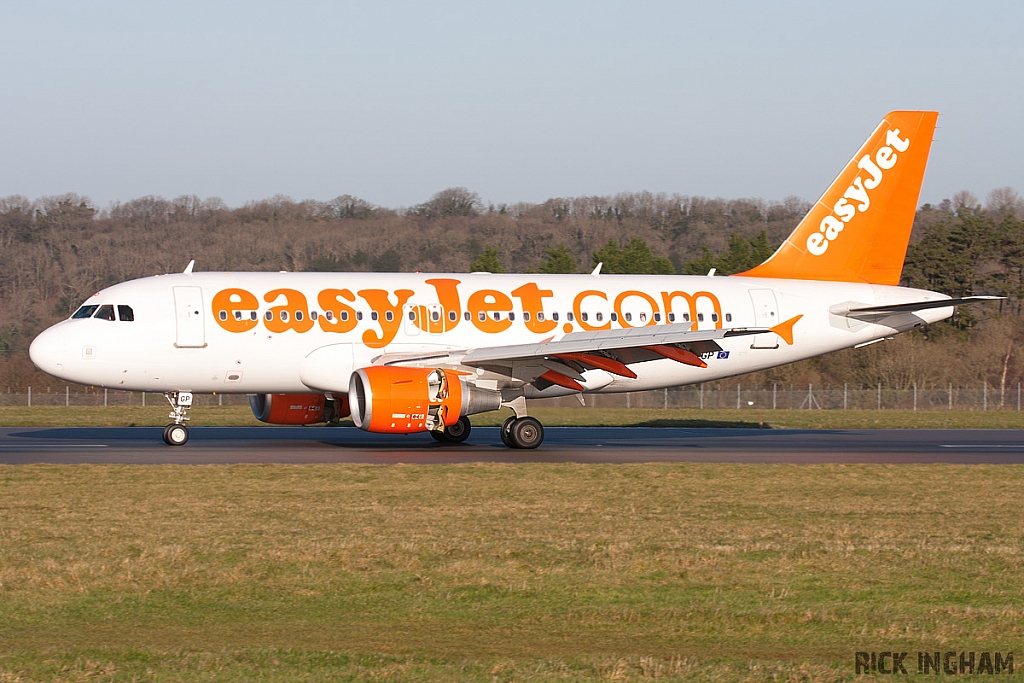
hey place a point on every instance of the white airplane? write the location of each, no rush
(405, 353)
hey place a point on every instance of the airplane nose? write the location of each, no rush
(47, 351)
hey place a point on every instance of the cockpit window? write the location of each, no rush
(106, 312)
(125, 313)
(85, 312)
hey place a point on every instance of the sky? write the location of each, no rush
(519, 102)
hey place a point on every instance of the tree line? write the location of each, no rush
(56, 251)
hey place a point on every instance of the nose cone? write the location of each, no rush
(48, 351)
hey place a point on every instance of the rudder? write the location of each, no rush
(859, 230)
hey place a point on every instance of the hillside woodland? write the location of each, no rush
(56, 251)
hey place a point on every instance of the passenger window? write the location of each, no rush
(728, 317)
(554, 316)
(583, 316)
(700, 317)
(253, 316)
(466, 315)
(313, 315)
(599, 316)
(614, 316)
(223, 315)
(511, 315)
(238, 315)
(84, 312)
(359, 315)
(540, 316)
(643, 317)
(568, 316)
(270, 315)
(526, 316)
(298, 315)
(105, 312)
(671, 317)
(435, 316)
(482, 316)
(628, 317)
(284, 316)
(657, 317)
(714, 317)
(686, 317)
(373, 315)
(412, 315)
(453, 316)
(125, 314)
(389, 316)
(497, 315)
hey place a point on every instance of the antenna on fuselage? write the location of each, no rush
(188, 268)
(597, 271)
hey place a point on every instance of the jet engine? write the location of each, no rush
(398, 400)
(297, 409)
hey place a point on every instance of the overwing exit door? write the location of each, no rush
(766, 314)
(188, 309)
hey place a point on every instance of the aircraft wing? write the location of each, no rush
(562, 362)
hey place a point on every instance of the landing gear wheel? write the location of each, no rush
(175, 435)
(526, 432)
(458, 432)
(505, 430)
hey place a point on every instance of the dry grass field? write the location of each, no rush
(502, 572)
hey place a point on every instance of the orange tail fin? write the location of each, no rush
(858, 231)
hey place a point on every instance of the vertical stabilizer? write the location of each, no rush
(858, 231)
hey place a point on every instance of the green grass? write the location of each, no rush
(221, 416)
(501, 572)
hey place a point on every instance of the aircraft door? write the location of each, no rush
(435, 317)
(766, 314)
(188, 308)
(411, 314)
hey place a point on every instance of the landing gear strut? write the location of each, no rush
(456, 433)
(520, 430)
(176, 433)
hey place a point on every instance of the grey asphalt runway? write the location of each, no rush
(295, 445)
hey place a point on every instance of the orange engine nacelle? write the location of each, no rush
(398, 400)
(297, 409)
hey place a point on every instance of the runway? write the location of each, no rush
(304, 445)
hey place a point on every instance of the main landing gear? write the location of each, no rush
(520, 430)
(176, 433)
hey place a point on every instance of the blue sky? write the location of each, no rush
(393, 101)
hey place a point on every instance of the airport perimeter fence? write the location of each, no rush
(695, 397)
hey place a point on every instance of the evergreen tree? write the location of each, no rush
(487, 262)
(558, 260)
(634, 258)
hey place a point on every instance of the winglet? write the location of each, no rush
(785, 329)
(188, 268)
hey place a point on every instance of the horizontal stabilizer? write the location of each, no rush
(854, 310)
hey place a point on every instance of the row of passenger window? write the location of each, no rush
(452, 316)
(105, 312)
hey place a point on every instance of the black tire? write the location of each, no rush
(458, 432)
(176, 435)
(505, 430)
(526, 432)
(437, 436)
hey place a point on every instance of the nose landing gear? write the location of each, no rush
(176, 433)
